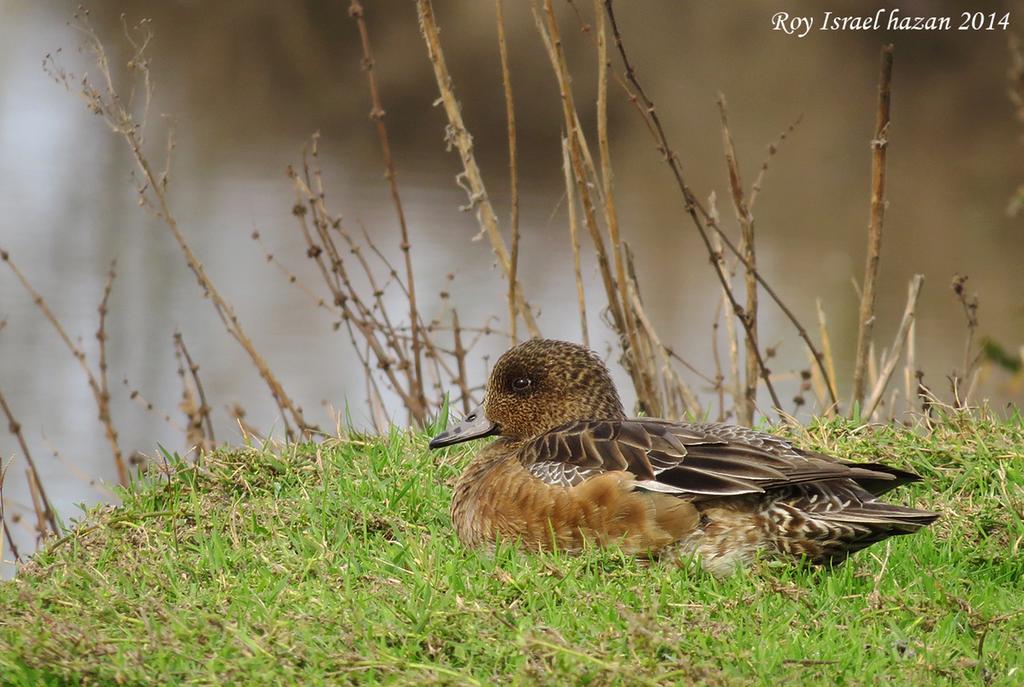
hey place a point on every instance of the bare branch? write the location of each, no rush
(44, 510)
(200, 422)
(97, 385)
(107, 102)
(513, 173)
(459, 136)
(879, 146)
(645, 107)
(746, 221)
(893, 356)
(570, 203)
(377, 114)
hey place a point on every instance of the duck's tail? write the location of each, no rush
(882, 484)
(829, 520)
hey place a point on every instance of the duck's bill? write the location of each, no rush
(475, 426)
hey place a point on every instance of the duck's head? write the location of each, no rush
(535, 387)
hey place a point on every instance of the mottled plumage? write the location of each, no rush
(569, 467)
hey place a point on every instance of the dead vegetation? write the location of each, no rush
(418, 359)
(1015, 90)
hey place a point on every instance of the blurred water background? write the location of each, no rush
(248, 83)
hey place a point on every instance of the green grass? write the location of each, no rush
(337, 563)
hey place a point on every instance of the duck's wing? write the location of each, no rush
(890, 478)
(698, 461)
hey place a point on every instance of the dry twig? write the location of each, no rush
(1015, 76)
(136, 397)
(199, 432)
(879, 146)
(735, 378)
(460, 361)
(513, 174)
(691, 205)
(356, 294)
(971, 359)
(893, 356)
(636, 363)
(118, 113)
(3, 519)
(458, 136)
(97, 382)
(640, 358)
(570, 204)
(44, 511)
(773, 148)
(829, 378)
(645, 107)
(746, 221)
(377, 114)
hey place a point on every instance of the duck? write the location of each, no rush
(568, 469)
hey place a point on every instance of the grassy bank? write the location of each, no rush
(337, 563)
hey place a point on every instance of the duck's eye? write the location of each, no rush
(521, 383)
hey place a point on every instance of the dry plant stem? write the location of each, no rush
(373, 395)
(336, 277)
(719, 386)
(91, 480)
(459, 136)
(690, 202)
(971, 387)
(3, 516)
(513, 174)
(119, 118)
(879, 145)
(246, 430)
(607, 185)
(690, 402)
(369, 322)
(418, 409)
(1016, 93)
(148, 406)
(570, 204)
(735, 379)
(635, 289)
(552, 42)
(103, 400)
(97, 385)
(826, 348)
(204, 406)
(377, 114)
(970, 306)
(38, 505)
(773, 148)
(746, 221)
(430, 349)
(460, 359)
(625, 326)
(9, 537)
(45, 511)
(386, 344)
(893, 356)
(646, 109)
(910, 366)
(819, 360)
(872, 375)
(195, 439)
(291, 276)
